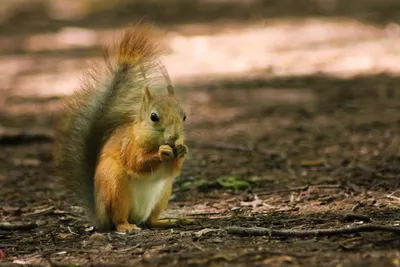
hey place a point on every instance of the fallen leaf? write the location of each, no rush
(278, 260)
(254, 203)
(10, 209)
(222, 256)
(317, 203)
(312, 163)
(2, 254)
(63, 236)
(287, 209)
(13, 196)
(20, 262)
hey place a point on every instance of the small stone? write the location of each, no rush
(41, 222)
(109, 237)
(89, 229)
(108, 247)
(26, 162)
(57, 212)
(97, 238)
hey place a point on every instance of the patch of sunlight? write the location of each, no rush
(66, 38)
(279, 47)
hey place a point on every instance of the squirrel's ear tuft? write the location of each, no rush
(147, 97)
(170, 89)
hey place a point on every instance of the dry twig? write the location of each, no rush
(260, 231)
(356, 206)
(43, 211)
(128, 248)
(393, 197)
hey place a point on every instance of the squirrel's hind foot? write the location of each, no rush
(127, 228)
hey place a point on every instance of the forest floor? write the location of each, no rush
(293, 124)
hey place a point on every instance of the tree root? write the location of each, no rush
(260, 231)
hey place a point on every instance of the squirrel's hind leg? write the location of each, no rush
(155, 222)
(113, 196)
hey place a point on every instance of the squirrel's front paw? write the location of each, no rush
(166, 152)
(180, 151)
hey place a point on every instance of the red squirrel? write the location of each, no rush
(120, 146)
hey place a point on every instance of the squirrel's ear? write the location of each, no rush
(170, 89)
(147, 97)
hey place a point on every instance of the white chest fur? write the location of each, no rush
(145, 195)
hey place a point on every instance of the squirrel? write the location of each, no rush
(120, 146)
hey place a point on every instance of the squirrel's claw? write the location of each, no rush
(180, 151)
(165, 153)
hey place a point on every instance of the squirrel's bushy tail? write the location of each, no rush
(110, 96)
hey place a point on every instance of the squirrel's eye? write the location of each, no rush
(184, 116)
(154, 117)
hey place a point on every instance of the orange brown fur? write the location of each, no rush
(117, 172)
(120, 161)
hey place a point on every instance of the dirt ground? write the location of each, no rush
(293, 123)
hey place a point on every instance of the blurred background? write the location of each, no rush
(45, 44)
(307, 79)
(300, 77)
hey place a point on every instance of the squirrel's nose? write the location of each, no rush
(171, 140)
